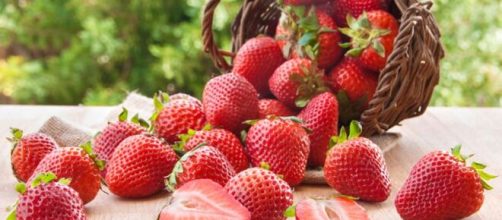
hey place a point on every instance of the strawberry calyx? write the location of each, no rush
(354, 131)
(179, 146)
(478, 167)
(123, 116)
(159, 100)
(171, 180)
(363, 35)
(303, 26)
(290, 212)
(87, 147)
(310, 83)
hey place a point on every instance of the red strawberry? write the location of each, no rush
(46, 199)
(186, 97)
(313, 36)
(256, 61)
(262, 192)
(321, 117)
(225, 141)
(355, 166)
(172, 118)
(78, 164)
(338, 208)
(203, 162)
(28, 151)
(229, 100)
(139, 165)
(273, 107)
(282, 144)
(110, 137)
(343, 8)
(296, 81)
(358, 84)
(203, 199)
(372, 38)
(443, 186)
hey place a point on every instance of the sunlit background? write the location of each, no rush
(92, 52)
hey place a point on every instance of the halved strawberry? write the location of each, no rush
(339, 208)
(203, 199)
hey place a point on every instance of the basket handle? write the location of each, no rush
(208, 38)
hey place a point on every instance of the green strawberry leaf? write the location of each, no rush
(306, 39)
(17, 134)
(12, 215)
(354, 130)
(265, 165)
(21, 187)
(378, 46)
(244, 135)
(290, 212)
(123, 115)
(43, 178)
(64, 181)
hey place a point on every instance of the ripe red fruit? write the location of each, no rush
(372, 38)
(262, 192)
(313, 36)
(225, 141)
(175, 117)
(273, 107)
(358, 84)
(338, 208)
(110, 137)
(343, 8)
(355, 166)
(282, 144)
(28, 151)
(296, 81)
(78, 164)
(443, 186)
(256, 61)
(203, 162)
(139, 165)
(203, 199)
(321, 117)
(228, 101)
(46, 199)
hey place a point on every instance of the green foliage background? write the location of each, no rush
(93, 52)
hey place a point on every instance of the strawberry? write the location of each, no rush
(273, 107)
(312, 34)
(47, 199)
(186, 97)
(442, 186)
(338, 208)
(28, 151)
(139, 165)
(228, 101)
(225, 141)
(203, 162)
(281, 143)
(172, 118)
(256, 61)
(371, 38)
(355, 166)
(321, 117)
(357, 83)
(262, 192)
(203, 199)
(296, 81)
(79, 164)
(110, 137)
(344, 8)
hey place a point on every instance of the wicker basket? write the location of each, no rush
(406, 83)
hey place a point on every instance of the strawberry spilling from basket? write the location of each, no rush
(310, 82)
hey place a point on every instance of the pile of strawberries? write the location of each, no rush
(287, 105)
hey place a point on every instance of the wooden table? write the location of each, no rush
(478, 129)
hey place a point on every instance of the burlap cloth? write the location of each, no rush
(67, 133)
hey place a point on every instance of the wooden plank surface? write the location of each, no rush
(479, 130)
